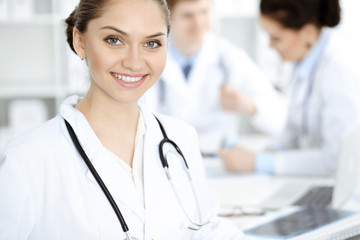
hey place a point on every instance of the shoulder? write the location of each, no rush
(213, 40)
(336, 68)
(235, 58)
(339, 59)
(35, 142)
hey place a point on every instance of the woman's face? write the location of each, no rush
(190, 20)
(125, 49)
(289, 43)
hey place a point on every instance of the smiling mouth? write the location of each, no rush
(127, 78)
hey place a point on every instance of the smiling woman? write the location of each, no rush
(95, 171)
(131, 47)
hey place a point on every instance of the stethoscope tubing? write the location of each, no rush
(98, 179)
(165, 164)
(166, 169)
(305, 104)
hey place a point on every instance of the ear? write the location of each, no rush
(310, 34)
(78, 43)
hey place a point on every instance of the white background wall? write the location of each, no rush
(37, 69)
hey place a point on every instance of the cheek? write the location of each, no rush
(159, 62)
(100, 60)
(287, 46)
(296, 47)
(206, 20)
(188, 25)
(280, 47)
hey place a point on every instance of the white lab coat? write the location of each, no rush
(47, 192)
(196, 101)
(333, 108)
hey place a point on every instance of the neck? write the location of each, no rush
(114, 123)
(186, 48)
(107, 112)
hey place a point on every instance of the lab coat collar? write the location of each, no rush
(173, 75)
(306, 67)
(81, 126)
(109, 170)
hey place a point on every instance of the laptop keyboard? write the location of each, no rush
(354, 238)
(319, 196)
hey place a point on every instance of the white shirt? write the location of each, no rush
(135, 173)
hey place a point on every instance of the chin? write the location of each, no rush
(286, 59)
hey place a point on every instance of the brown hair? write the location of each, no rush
(91, 9)
(172, 3)
(297, 13)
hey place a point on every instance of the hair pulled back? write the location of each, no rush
(295, 14)
(88, 10)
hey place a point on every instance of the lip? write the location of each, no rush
(130, 84)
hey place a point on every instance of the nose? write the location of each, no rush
(133, 59)
(200, 20)
(197, 21)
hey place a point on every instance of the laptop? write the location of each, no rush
(324, 195)
(311, 223)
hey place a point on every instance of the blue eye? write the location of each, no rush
(114, 41)
(152, 44)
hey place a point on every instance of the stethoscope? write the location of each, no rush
(308, 93)
(165, 164)
(225, 80)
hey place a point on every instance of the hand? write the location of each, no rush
(232, 99)
(238, 159)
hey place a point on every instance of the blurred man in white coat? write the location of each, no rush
(210, 83)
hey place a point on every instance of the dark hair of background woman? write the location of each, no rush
(295, 14)
(91, 9)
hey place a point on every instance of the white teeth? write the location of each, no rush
(126, 78)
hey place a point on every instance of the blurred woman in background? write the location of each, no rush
(324, 93)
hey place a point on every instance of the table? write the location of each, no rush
(249, 190)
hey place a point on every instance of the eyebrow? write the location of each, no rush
(124, 33)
